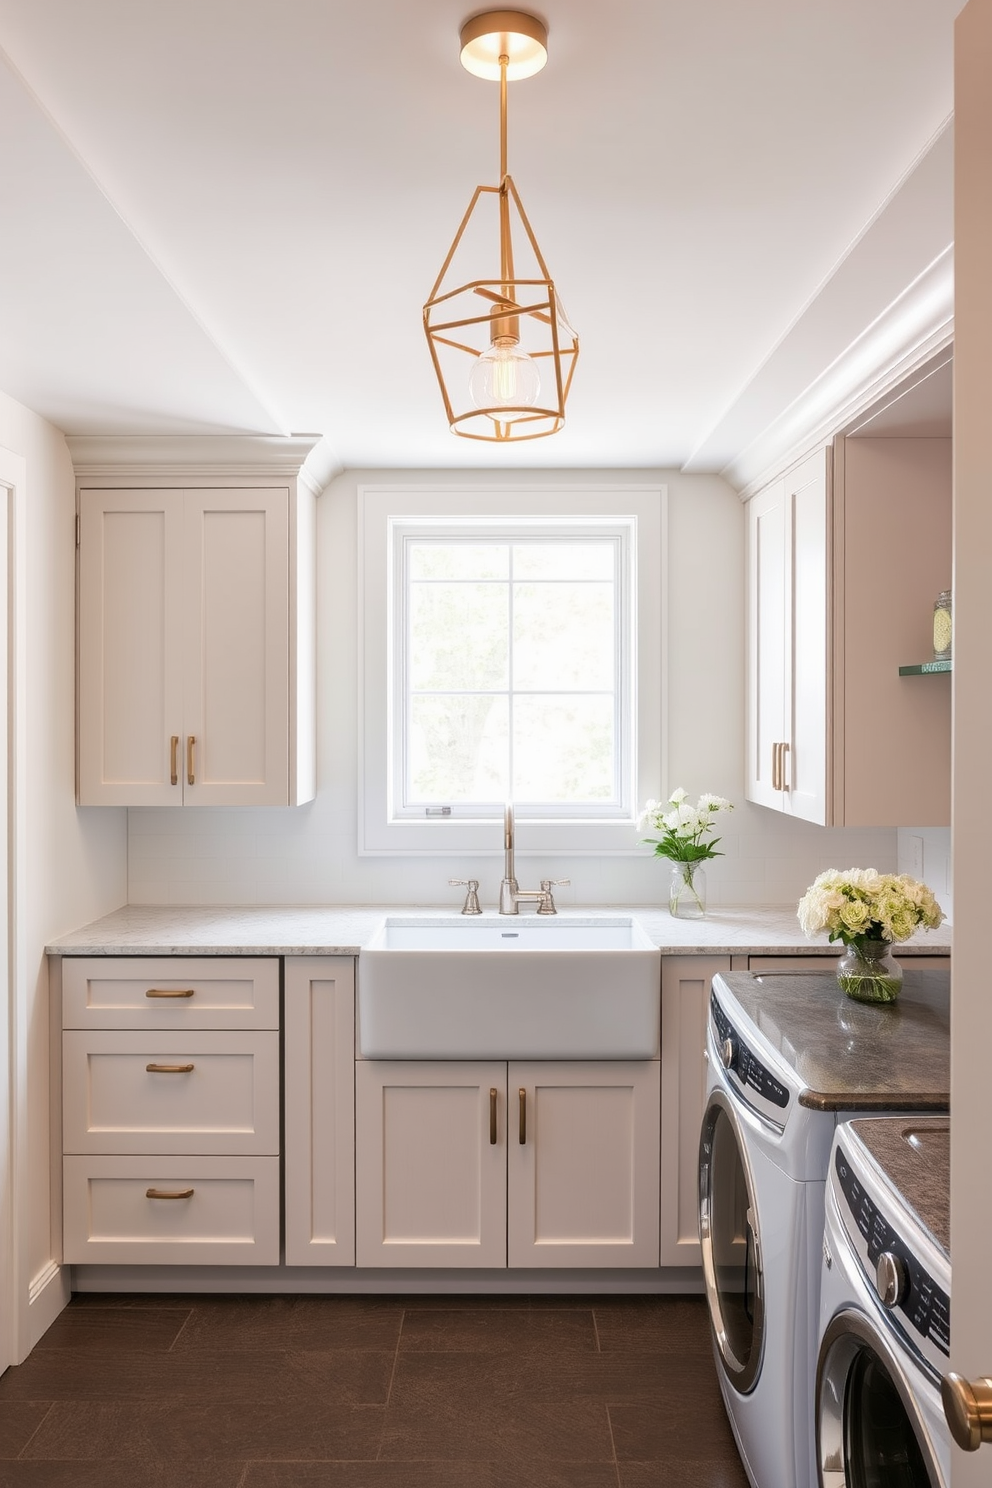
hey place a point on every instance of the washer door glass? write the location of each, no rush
(728, 1228)
(881, 1446)
(871, 1431)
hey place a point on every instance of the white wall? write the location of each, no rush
(71, 864)
(925, 852)
(308, 854)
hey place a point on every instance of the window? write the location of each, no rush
(502, 635)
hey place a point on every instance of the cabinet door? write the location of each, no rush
(685, 998)
(582, 1163)
(767, 624)
(320, 1111)
(236, 653)
(130, 648)
(787, 722)
(431, 1163)
(804, 768)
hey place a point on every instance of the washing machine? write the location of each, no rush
(885, 1307)
(789, 1056)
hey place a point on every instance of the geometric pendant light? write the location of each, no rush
(502, 347)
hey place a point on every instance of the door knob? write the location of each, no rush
(968, 1408)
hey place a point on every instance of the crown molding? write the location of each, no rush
(917, 325)
(187, 456)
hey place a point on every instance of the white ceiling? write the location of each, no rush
(225, 215)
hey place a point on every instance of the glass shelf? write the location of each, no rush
(925, 668)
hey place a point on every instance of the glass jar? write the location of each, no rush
(687, 891)
(942, 626)
(869, 972)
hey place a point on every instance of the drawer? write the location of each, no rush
(794, 963)
(227, 1215)
(170, 992)
(160, 1092)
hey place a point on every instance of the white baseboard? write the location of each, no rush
(48, 1293)
(313, 1280)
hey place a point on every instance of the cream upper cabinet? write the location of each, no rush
(194, 610)
(787, 642)
(846, 554)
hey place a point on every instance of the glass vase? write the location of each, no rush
(869, 973)
(687, 891)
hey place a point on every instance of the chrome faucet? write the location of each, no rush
(510, 894)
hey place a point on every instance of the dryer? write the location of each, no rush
(788, 1057)
(885, 1307)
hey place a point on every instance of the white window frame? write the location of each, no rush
(382, 511)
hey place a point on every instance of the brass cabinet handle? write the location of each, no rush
(523, 1115)
(161, 1193)
(492, 1116)
(168, 1069)
(968, 1408)
(778, 766)
(174, 760)
(190, 765)
(167, 992)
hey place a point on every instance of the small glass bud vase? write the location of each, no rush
(869, 972)
(942, 626)
(687, 891)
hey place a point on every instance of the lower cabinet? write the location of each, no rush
(170, 1111)
(319, 1096)
(487, 1164)
(685, 1000)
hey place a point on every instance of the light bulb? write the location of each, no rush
(505, 378)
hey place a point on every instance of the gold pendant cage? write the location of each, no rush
(517, 306)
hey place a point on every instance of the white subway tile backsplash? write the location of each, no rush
(296, 862)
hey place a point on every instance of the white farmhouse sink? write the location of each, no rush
(509, 988)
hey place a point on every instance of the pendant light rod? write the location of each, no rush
(503, 62)
(508, 329)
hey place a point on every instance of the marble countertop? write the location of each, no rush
(849, 1056)
(915, 1155)
(342, 930)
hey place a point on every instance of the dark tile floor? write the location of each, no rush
(368, 1392)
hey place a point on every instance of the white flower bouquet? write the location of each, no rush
(684, 828)
(859, 905)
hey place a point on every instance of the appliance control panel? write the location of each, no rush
(914, 1300)
(757, 1084)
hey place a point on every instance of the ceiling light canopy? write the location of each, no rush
(521, 38)
(501, 344)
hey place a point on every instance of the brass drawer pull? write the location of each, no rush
(161, 1193)
(190, 760)
(174, 760)
(168, 1069)
(523, 1115)
(167, 992)
(492, 1116)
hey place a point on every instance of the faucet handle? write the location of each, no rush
(547, 904)
(471, 905)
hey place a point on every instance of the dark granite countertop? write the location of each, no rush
(849, 1056)
(915, 1155)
